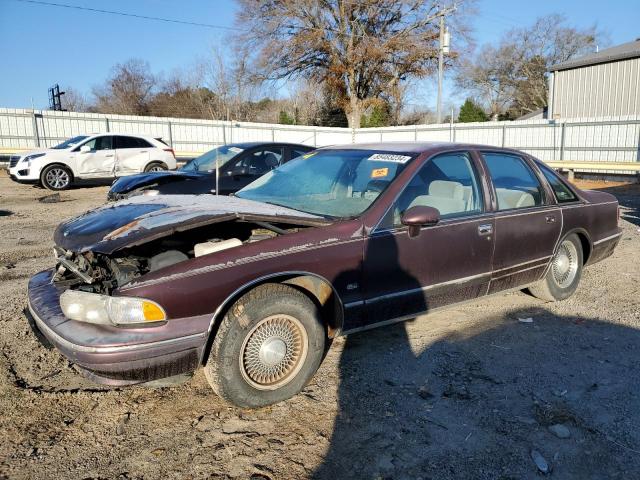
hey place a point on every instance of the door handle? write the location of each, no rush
(550, 219)
(486, 229)
(143, 151)
(109, 155)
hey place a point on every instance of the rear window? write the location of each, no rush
(515, 183)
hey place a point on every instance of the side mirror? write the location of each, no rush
(419, 216)
(238, 171)
(85, 149)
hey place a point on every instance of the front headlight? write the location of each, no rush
(103, 309)
(28, 158)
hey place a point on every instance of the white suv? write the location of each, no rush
(105, 155)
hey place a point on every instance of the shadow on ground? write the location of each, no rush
(474, 404)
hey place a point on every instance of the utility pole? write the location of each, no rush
(443, 48)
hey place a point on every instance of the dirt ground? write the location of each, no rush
(467, 393)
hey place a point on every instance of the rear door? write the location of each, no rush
(132, 154)
(527, 222)
(99, 161)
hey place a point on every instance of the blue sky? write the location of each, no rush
(42, 45)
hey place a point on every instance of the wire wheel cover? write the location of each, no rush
(565, 264)
(273, 352)
(57, 178)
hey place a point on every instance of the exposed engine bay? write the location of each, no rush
(101, 273)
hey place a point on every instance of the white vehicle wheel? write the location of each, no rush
(56, 177)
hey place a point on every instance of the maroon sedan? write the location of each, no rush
(253, 287)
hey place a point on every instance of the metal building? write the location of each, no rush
(602, 84)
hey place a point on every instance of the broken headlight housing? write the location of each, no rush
(106, 310)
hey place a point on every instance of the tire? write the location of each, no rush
(155, 167)
(56, 177)
(267, 348)
(564, 273)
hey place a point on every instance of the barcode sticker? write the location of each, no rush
(388, 157)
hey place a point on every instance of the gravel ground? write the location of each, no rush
(472, 392)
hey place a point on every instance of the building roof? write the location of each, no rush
(619, 52)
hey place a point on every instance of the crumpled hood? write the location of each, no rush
(132, 182)
(141, 219)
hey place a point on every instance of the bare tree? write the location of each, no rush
(128, 90)
(74, 101)
(360, 49)
(513, 76)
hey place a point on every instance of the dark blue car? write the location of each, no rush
(238, 165)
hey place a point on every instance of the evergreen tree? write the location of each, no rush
(471, 112)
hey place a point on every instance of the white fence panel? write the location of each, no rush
(614, 139)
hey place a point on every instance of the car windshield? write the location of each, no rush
(207, 161)
(71, 142)
(330, 183)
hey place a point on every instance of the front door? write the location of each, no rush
(447, 262)
(95, 158)
(527, 222)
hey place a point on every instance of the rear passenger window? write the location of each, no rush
(562, 192)
(515, 183)
(131, 142)
(447, 182)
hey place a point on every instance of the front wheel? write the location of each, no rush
(267, 348)
(56, 177)
(564, 274)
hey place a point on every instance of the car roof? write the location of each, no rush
(415, 147)
(257, 144)
(137, 135)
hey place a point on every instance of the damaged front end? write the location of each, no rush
(82, 306)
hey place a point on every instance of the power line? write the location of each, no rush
(131, 15)
(185, 22)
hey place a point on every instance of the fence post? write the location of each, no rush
(106, 124)
(315, 139)
(415, 134)
(170, 134)
(562, 133)
(504, 135)
(273, 134)
(36, 135)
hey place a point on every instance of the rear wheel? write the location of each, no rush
(267, 347)
(56, 177)
(155, 167)
(564, 274)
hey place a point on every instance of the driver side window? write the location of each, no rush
(99, 143)
(448, 183)
(261, 161)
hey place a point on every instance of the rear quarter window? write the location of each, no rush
(561, 191)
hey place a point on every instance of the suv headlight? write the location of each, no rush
(103, 309)
(28, 158)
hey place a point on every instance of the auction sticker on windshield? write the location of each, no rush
(379, 172)
(387, 157)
